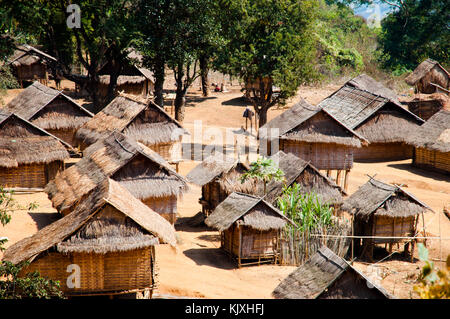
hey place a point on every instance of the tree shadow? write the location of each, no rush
(184, 224)
(44, 219)
(211, 238)
(214, 257)
(237, 101)
(193, 100)
(421, 171)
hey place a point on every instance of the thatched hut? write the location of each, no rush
(426, 105)
(110, 236)
(219, 176)
(386, 213)
(145, 122)
(51, 110)
(328, 276)
(249, 228)
(29, 156)
(29, 64)
(136, 167)
(311, 180)
(432, 143)
(379, 119)
(429, 77)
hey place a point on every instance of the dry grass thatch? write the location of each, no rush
(48, 108)
(311, 279)
(422, 70)
(434, 134)
(21, 142)
(26, 55)
(300, 123)
(248, 210)
(376, 197)
(142, 171)
(146, 122)
(88, 229)
(366, 83)
(311, 179)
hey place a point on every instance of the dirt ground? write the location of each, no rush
(199, 269)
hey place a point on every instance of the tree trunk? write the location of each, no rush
(204, 69)
(180, 101)
(159, 84)
(115, 72)
(262, 116)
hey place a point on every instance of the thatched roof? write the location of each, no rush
(434, 134)
(80, 230)
(312, 278)
(34, 104)
(293, 125)
(376, 118)
(309, 177)
(22, 142)
(136, 167)
(131, 117)
(247, 210)
(422, 70)
(381, 199)
(26, 55)
(366, 83)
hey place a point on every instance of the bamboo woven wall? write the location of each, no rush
(322, 156)
(432, 159)
(165, 150)
(100, 274)
(26, 176)
(165, 206)
(383, 152)
(67, 136)
(392, 227)
(31, 72)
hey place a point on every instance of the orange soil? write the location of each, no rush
(199, 269)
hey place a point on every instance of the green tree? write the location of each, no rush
(265, 170)
(268, 43)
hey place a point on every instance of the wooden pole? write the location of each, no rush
(424, 230)
(338, 177)
(347, 172)
(240, 245)
(353, 246)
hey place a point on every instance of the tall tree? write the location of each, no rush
(269, 43)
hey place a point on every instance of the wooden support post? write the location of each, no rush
(338, 177)
(328, 173)
(347, 172)
(240, 245)
(353, 239)
(424, 231)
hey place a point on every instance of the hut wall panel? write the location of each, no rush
(257, 243)
(119, 271)
(383, 152)
(165, 206)
(323, 156)
(425, 109)
(386, 227)
(31, 72)
(27, 176)
(432, 159)
(231, 240)
(165, 150)
(52, 169)
(67, 136)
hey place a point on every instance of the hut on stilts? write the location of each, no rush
(145, 122)
(375, 115)
(51, 110)
(314, 135)
(29, 156)
(105, 246)
(432, 143)
(328, 276)
(219, 176)
(386, 214)
(249, 228)
(133, 165)
(307, 176)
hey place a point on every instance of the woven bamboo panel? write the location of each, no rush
(165, 206)
(432, 159)
(390, 227)
(322, 156)
(383, 152)
(27, 176)
(163, 149)
(258, 243)
(92, 271)
(67, 136)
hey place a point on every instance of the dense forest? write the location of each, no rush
(274, 43)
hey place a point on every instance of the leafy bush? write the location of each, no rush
(264, 169)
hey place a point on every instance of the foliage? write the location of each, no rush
(264, 169)
(306, 210)
(434, 283)
(12, 284)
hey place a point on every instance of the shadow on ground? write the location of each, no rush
(421, 172)
(44, 219)
(213, 257)
(238, 101)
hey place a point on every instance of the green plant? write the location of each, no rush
(264, 169)
(434, 283)
(306, 210)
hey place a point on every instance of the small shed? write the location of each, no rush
(219, 176)
(249, 228)
(108, 241)
(328, 276)
(146, 122)
(311, 180)
(432, 143)
(136, 167)
(386, 213)
(29, 64)
(51, 110)
(29, 156)
(429, 77)
(312, 134)
(380, 119)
